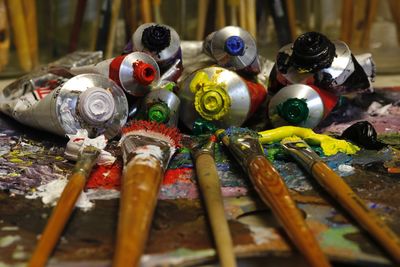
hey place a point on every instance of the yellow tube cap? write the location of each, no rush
(211, 101)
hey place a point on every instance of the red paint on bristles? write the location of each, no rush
(154, 127)
(213, 138)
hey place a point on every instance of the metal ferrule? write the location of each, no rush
(133, 145)
(302, 152)
(86, 160)
(207, 148)
(244, 147)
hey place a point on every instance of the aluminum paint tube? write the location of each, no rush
(233, 48)
(219, 96)
(134, 72)
(161, 105)
(300, 105)
(316, 60)
(160, 41)
(87, 101)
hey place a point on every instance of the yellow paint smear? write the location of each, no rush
(330, 146)
(211, 101)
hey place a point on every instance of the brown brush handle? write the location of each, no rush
(141, 181)
(211, 190)
(145, 11)
(20, 33)
(202, 6)
(356, 207)
(273, 191)
(346, 21)
(220, 17)
(58, 219)
(395, 10)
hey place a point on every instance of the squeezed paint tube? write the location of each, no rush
(134, 72)
(87, 101)
(233, 48)
(77, 142)
(160, 41)
(315, 60)
(161, 105)
(219, 96)
(300, 105)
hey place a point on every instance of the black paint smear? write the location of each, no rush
(363, 134)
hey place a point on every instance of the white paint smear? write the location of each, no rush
(51, 192)
(9, 240)
(80, 140)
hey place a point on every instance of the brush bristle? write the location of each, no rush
(153, 128)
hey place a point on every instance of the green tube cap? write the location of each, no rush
(159, 112)
(293, 110)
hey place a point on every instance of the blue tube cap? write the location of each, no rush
(234, 46)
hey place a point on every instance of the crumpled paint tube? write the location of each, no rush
(63, 106)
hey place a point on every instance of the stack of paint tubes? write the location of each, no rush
(146, 82)
(309, 77)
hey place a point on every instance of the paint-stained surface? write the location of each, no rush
(180, 234)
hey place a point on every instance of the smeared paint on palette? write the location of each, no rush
(180, 234)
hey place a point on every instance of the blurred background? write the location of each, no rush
(35, 32)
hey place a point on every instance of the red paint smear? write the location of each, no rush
(105, 176)
(181, 175)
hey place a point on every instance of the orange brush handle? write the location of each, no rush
(58, 219)
(273, 191)
(356, 207)
(141, 183)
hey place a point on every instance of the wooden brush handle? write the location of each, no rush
(211, 190)
(141, 181)
(58, 219)
(202, 6)
(356, 207)
(20, 34)
(273, 191)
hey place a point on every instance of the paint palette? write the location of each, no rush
(180, 234)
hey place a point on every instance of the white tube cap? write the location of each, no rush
(96, 105)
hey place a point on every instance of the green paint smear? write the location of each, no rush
(335, 237)
(184, 252)
(392, 139)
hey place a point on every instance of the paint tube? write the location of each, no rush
(87, 101)
(77, 142)
(134, 72)
(161, 105)
(315, 60)
(160, 41)
(220, 96)
(300, 105)
(233, 48)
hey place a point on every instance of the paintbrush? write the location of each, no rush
(202, 6)
(147, 148)
(65, 206)
(341, 192)
(115, 9)
(20, 33)
(210, 188)
(245, 147)
(4, 36)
